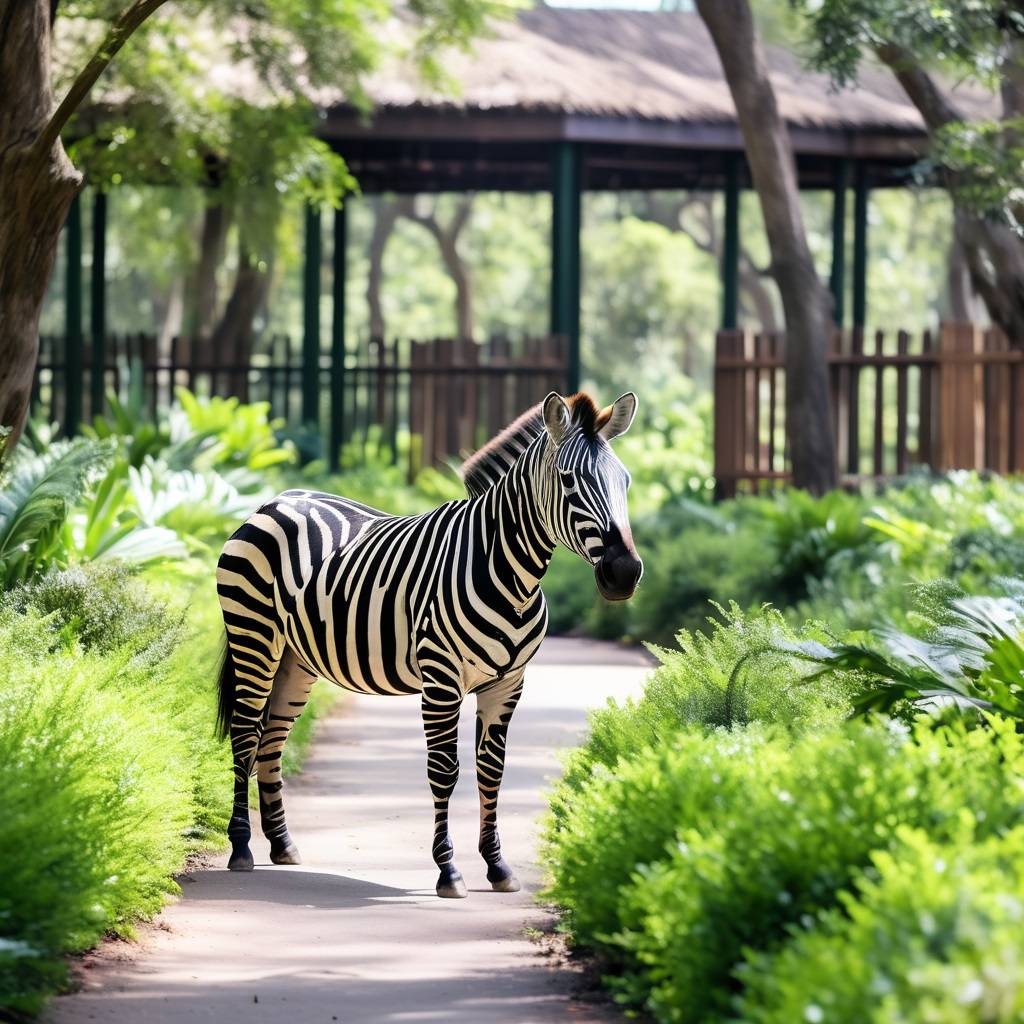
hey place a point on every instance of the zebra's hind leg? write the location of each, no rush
(494, 708)
(253, 673)
(287, 700)
(442, 702)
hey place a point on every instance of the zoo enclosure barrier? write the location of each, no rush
(946, 399)
(414, 402)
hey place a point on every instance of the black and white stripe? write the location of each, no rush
(442, 604)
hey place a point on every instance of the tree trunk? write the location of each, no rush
(753, 288)
(805, 300)
(993, 252)
(37, 184)
(447, 238)
(232, 339)
(212, 239)
(958, 285)
(460, 275)
(385, 215)
(37, 181)
(173, 315)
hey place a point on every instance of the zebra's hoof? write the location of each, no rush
(241, 859)
(451, 886)
(287, 854)
(500, 875)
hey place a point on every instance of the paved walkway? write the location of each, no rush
(355, 934)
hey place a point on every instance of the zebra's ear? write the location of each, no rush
(620, 416)
(557, 418)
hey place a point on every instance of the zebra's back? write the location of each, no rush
(344, 585)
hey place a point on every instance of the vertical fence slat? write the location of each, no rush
(902, 413)
(853, 403)
(878, 462)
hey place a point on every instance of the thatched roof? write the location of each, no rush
(642, 65)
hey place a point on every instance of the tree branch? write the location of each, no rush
(935, 109)
(117, 35)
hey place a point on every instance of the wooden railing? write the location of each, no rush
(422, 401)
(950, 399)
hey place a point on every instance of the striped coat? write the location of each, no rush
(442, 604)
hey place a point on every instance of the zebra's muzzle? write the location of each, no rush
(617, 573)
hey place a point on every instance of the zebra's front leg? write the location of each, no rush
(494, 708)
(442, 702)
(287, 701)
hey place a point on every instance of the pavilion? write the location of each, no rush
(569, 100)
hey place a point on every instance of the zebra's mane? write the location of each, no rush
(486, 466)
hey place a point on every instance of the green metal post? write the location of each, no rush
(731, 244)
(338, 337)
(98, 303)
(73, 321)
(311, 322)
(566, 188)
(837, 279)
(860, 247)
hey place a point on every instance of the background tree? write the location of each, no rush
(165, 120)
(37, 180)
(805, 301)
(978, 159)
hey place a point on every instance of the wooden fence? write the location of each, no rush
(418, 401)
(950, 399)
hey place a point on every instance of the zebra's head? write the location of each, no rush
(587, 484)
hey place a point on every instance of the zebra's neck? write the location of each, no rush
(520, 544)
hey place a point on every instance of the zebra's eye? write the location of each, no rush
(567, 480)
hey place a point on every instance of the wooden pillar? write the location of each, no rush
(337, 435)
(73, 320)
(860, 247)
(98, 304)
(837, 278)
(311, 322)
(566, 188)
(731, 243)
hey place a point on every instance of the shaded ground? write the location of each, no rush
(356, 934)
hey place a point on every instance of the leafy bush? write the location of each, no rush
(111, 765)
(243, 435)
(972, 652)
(101, 606)
(697, 685)
(694, 851)
(932, 935)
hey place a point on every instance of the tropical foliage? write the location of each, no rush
(109, 640)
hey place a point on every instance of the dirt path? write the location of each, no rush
(355, 934)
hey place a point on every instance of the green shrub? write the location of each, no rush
(694, 851)
(970, 652)
(697, 685)
(984, 554)
(99, 800)
(113, 770)
(932, 936)
(806, 534)
(101, 605)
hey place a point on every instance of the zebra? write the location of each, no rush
(441, 604)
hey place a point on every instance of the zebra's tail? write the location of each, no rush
(226, 696)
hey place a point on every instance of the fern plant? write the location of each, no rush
(36, 496)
